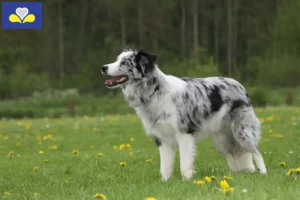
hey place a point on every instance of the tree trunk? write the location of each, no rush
(229, 37)
(140, 24)
(61, 40)
(235, 35)
(81, 39)
(96, 10)
(216, 34)
(195, 29)
(204, 24)
(183, 30)
(123, 23)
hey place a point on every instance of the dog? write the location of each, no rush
(177, 112)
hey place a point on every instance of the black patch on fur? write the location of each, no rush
(205, 114)
(157, 141)
(204, 85)
(215, 99)
(153, 81)
(185, 79)
(149, 61)
(187, 96)
(222, 87)
(191, 126)
(237, 104)
(142, 100)
(139, 68)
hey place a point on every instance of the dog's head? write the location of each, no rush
(130, 66)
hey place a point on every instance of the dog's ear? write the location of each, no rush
(149, 56)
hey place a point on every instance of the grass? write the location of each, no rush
(81, 176)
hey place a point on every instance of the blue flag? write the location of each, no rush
(22, 15)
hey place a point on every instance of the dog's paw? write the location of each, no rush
(165, 175)
(187, 174)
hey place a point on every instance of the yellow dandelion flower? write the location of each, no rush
(228, 190)
(207, 179)
(149, 161)
(298, 170)
(271, 118)
(132, 139)
(18, 155)
(291, 171)
(75, 152)
(27, 126)
(199, 182)
(224, 184)
(46, 161)
(53, 147)
(131, 153)
(36, 194)
(41, 152)
(213, 178)
(276, 135)
(123, 164)
(122, 146)
(227, 178)
(128, 146)
(45, 137)
(10, 154)
(282, 164)
(6, 193)
(100, 154)
(5, 137)
(150, 198)
(100, 196)
(115, 147)
(35, 168)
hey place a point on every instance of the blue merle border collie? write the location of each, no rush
(179, 111)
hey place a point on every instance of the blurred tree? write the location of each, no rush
(255, 41)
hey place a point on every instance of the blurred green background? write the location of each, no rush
(56, 71)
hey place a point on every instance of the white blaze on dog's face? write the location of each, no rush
(129, 66)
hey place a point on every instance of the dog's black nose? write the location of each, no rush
(104, 69)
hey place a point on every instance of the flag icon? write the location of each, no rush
(22, 15)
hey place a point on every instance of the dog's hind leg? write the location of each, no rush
(231, 162)
(224, 144)
(245, 162)
(246, 131)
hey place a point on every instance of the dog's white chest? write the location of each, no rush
(159, 119)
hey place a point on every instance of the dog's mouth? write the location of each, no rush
(117, 80)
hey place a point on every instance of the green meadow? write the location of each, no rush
(80, 157)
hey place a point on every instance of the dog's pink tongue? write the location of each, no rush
(107, 82)
(113, 80)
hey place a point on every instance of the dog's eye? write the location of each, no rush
(122, 63)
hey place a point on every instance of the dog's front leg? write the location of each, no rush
(187, 150)
(167, 155)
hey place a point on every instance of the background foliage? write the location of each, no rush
(255, 42)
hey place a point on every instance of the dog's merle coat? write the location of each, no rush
(178, 111)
